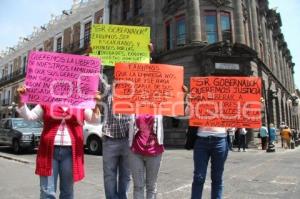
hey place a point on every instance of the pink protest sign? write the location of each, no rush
(65, 79)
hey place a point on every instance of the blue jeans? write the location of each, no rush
(116, 170)
(61, 166)
(204, 149)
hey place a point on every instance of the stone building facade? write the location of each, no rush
(207, 37)
(218, 37)
(68, 33)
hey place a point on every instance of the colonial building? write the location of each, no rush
(68, 33)
(218, 37)
(207, 37)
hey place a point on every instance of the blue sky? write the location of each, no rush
(290, 16)
(17, 18)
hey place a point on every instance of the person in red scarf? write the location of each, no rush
(60, 153)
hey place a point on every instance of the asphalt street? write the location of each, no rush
(254, 174)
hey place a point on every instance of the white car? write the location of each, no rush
(92, 138)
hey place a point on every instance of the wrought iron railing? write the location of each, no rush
(75, 46)
(20, 73)
(5, 102)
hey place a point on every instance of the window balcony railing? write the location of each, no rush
(180, 40)
(5, 102)
(76, 47)
(20, 73)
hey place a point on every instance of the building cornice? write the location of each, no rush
(170, 8)
(219, 3)
(263, 7)
(273, 19)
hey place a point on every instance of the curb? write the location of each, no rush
(14, 158)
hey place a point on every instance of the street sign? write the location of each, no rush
(227, 66)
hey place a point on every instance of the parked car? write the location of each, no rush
(20, 134)
(92, 138)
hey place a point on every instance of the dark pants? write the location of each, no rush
(242, 141)
(116, 171)
(264, 143)
(215, 149)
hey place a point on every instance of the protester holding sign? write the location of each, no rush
(211, 143)
(146, 135)
(116, 170)
(216, 103)
(146, 144)
(60, 151)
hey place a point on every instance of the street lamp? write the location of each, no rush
(272, 94)
(294, 100)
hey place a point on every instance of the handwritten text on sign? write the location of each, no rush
(148, 89)
(115, 43)
(62, 78)
(225, 102)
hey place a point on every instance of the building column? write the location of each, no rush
(272, 54)
(287, 72)
(280, 62)
(194, 22)
(254, 22)
(284, 109)
(279, 94)
(265, 43)
(289, 77)
(158, 27)
(284, 71)
(293, 81)
(238, 22)
(279, 66)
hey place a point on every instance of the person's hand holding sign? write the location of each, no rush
(151, 48)
(97, 98)
(20, 91)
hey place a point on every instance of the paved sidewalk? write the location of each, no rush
(254, 174)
